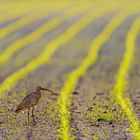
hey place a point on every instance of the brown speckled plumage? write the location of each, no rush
(30, 101)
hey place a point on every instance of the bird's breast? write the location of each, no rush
(35, 99)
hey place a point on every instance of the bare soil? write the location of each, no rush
(94, 113)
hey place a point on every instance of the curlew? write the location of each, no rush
(31, 100)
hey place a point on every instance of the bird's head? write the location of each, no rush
(39, 88)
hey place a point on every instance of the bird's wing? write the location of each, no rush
(26, 101)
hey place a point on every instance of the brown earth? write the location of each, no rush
(94, 113)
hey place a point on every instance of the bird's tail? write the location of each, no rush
(18, 110)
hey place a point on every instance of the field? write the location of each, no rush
(87, 52)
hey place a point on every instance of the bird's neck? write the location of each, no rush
(39, 93)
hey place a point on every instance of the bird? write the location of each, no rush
(31, 100)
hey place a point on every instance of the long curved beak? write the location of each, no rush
(49, 91)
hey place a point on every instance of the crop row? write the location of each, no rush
(73, 77)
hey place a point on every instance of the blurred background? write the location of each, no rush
(42, 42)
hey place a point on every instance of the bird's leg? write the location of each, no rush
(33, 113)
(28, 115)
